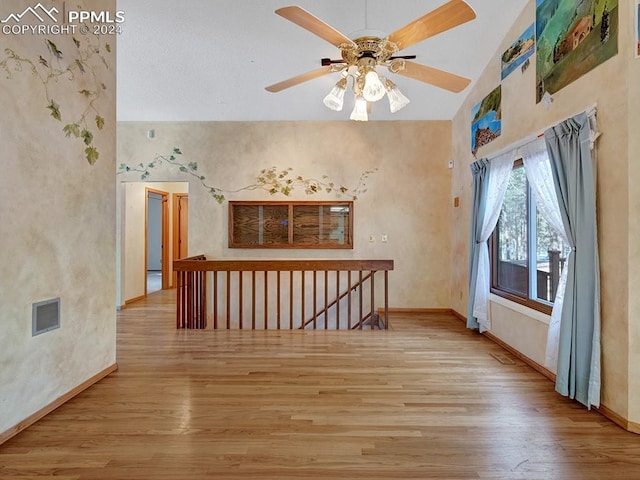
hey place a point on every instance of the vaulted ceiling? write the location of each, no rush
(209, 60)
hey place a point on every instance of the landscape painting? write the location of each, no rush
(486, 120)
(519, 51)
(573, 37)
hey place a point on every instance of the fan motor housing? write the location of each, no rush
(378, 49)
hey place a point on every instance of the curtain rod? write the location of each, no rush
(532, 138)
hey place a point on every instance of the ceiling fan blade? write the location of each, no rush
(439, 78)
(304, 19)
(305, 77)
(449, 15)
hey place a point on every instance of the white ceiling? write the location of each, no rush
(209, 60)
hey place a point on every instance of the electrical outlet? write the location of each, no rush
(384, 238)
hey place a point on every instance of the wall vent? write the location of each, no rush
(46, 316)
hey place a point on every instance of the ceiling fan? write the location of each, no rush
(362, 55)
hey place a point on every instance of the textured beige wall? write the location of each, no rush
(58, 238)
(133, 202)
(408, 197)
(522, 328)
(634, 222)
(607, 86)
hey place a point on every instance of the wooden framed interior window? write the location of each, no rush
(290, 224)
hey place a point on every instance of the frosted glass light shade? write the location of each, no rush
(373, 88)
(396, 99)
(335, 98)
(360, 110)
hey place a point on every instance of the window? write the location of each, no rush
(290, 224)
(527, 255)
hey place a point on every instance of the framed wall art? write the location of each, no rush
(572, 38)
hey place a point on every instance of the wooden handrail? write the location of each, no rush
(188, 264)
(256, 310)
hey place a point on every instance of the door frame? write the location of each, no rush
(165, 236)
(177, 231)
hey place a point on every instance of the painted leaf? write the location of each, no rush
(92, 155)
(55, 110)
(72, 129)
(54, 49)
(77, 43)
(87, 136)
(107, 47)
(99, 122)
(43, 61)
(177, 151)
(85, 92)
(80, 65)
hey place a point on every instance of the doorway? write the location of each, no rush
(156, 240)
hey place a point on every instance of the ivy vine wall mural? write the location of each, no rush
(78, 67)
(272, 180)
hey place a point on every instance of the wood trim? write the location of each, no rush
(290, 243)
(133, 300)
(420, 310)
(164, 234)
(30, 420)
(527, 302)
(536, 366)
(632, 427)
(177, 198)
(165, 242)
(281, 265)
(614, 417)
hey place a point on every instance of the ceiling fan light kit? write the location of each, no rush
(359, 112)
(396, 99)
(362, 56)
(335, 98)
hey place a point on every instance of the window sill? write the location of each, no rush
(521, 309)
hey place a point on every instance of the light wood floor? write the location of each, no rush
(425, 400)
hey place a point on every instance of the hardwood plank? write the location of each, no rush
(425, 400)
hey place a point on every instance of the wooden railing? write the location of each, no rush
(281, 294)
(191, 298)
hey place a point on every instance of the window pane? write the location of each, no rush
(551, 253)
(512, 246)
(260, 225)
(321, 224)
